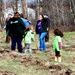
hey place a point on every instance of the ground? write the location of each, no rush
(39, 62)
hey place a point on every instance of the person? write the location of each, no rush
(57, 44)
(28, 21)
(7, 19)
(16, 29)
(48, 22)
(29, 37)
(41, 29)
(9, 16)
(25, 20)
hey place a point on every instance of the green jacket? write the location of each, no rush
(28, 37)
(56, 43)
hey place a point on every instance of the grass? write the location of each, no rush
(16, 67)
(19, 69)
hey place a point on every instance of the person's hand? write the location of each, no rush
(47, 29)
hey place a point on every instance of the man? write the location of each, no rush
(48, 29)
(16, 28)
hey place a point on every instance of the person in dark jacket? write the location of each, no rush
(41, 29)
(48, 22)
(16, 28)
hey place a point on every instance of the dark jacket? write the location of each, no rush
(16, 27)
(48, 20)
(43, 27)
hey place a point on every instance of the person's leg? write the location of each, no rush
(42, 41)
(29, 48)
(56, 56)
(25, 50)
(13, 43)
(19, 43)
(47, 37)
(59, 56)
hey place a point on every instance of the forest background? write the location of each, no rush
(61, 12)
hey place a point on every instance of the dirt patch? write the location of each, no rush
(32, 60)
(69, 48)
(3, 72)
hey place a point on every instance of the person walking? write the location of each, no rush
(57, 44)
(16, 29)
(41, 30)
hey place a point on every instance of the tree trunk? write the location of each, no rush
(73, 2)
(16, 5)
(63, 21)
(24, 8)
(1, 16)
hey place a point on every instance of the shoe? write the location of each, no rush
(56, 58)
(40, 49)
(24, 52)
(59, 59)
(31, 52)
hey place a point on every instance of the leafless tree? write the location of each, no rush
(24, 8)
(1, 14)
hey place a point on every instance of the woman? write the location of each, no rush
(41, 29)
(16, 31)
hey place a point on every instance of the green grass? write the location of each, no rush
(18, 68)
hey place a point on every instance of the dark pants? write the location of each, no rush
(47, 36)
(57, 53)
(19, 44)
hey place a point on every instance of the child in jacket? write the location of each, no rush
(57, 44)
(28, 38)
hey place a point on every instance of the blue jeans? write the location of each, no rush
(19, 44)
(42, 41)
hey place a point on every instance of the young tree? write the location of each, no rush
(1, 14)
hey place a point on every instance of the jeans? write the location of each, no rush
(19, 44)
(42, 41)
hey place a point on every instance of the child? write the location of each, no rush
(29, 36)
(57, 44)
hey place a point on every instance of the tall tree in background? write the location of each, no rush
(14, 5)
(62, 13)
(1, 14)
(24, 8)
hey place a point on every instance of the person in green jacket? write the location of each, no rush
(57, 44)
(28, 38)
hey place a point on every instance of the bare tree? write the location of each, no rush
(24, 8)
(1, 14)
(14, 5)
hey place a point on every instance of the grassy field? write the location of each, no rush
(13, 63)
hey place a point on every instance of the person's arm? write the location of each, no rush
(25, 22)
(60, 45)
(60, 42)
